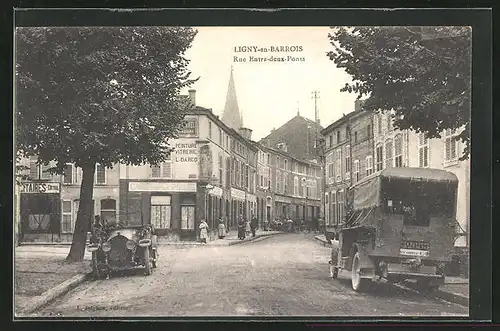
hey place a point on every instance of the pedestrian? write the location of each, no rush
(203, 231)
(222, 228)
(253, 225)
(248, 229)
(241, 228)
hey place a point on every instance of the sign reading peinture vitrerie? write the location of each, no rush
(33, 187)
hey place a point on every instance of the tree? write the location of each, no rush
(103, 95)
(421, 74)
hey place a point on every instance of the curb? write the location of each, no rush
(224, 242)
(51, 294)
(440, 294)
(259, 238)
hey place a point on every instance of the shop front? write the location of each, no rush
(174, 208)
(40, 212)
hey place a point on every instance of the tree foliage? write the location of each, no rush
(421, 74)
(107, 95)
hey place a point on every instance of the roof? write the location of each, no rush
(340, 121)
(295, 118)
(428, 174)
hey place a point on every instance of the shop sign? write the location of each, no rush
(237, 194)
(189, 128)
(217, 191)
(186, 153)
(31, 187)
(283, 199)
(162, 187)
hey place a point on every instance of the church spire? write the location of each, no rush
(231, 116)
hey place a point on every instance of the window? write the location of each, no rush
(285, 183)
(338, 137)
(398, 150)
(221, 138)
(108, 210)
(277, 162)
(286, 164)
(161, 212)
(347, 162)
(327, 209)
(338, 165)
(187, 217)
(333, 208)
(39, 171)
(330, 139)
(268, 159)
(380, 158)
(379, 124)
(347, 136)
(368, 131)
(330, 165)
(278, 181)
(227, 142)
(450, 146)
(304, 187)
(388, 153)
(68, 174)
(340, 206)
(67, 224)
(369, 165)
(100, 174)
(355, 136)
(295, 186)
(210, 129)
(228, 171)
(356, 170)
(221, 170)
(423, 151)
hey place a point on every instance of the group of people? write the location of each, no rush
(245, 228)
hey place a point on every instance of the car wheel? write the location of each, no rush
(358, 284)
(95, 266)
(147, 262)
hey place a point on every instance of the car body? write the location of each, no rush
(120, 247)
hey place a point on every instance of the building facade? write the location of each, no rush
(49, 203)
(289, 188)
(209, 174)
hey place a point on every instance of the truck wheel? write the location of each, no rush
(147, 262)
(358, 284)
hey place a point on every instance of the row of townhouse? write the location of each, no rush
(287, 187)
(361, 143)
(214, 171)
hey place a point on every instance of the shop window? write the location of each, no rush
(187, 217)
(108, 210)
(67, 222)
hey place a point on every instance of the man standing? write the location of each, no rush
(253, 225)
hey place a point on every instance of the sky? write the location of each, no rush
(269, 93)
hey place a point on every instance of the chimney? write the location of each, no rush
(358, 105)
(192, 96)
(246, 133)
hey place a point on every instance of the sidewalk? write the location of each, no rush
(455, 289)
(41, 274)
(229, 240)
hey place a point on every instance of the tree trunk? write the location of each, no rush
(83, 219)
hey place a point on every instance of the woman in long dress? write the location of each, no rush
(222, 228)
(203, 231)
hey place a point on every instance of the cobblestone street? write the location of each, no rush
(285, 275)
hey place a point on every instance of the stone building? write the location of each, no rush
(49, 203)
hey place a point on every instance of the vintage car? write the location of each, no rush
(120, 247)
(400, 226)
